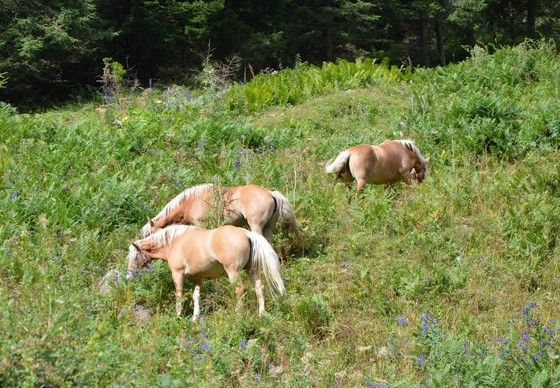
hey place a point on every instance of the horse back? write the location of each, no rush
(364, 161)
(250, 203)
(380, 164)
(204, 254)
(231, 247)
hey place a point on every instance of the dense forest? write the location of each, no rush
(54, 50)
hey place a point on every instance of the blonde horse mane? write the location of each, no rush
(166, 235)
(194, 191)
(410, 144)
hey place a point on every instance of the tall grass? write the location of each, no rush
(293, 86)
(502, 104)
(449, 283)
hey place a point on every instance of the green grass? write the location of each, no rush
(450, 283)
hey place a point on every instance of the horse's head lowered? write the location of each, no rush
(137, 257)
(419, 171)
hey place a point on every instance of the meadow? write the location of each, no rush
(454, 282)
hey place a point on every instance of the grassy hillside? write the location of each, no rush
(452, 282)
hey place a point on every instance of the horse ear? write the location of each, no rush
(138, 248)
(427, 160)
(150, 221)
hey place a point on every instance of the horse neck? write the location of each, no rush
(158, 245)
(412, 149)
(179, 209)
(154, 250)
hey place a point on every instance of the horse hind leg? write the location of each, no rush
(256, 227)
(268, 229)
(259, 290)
(235, 279)
(263, 222)
(360, 185)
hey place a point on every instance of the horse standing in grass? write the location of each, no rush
(208, 254)
(251, 205)
(386, 163)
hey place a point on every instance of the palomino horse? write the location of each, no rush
(386, 163)
(208, 254)
(251, 205)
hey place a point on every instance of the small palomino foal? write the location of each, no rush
(386, 163)
(200, 254)
(251, 205)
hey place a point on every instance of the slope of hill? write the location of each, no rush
(451, 282)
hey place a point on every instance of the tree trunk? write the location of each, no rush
(531, 16)
(439, 40)
(329, 42)
(424, 41)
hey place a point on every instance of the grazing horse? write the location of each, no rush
(251, 205)
(208, 254)
(386, 163)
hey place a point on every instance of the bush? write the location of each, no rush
(490, 104)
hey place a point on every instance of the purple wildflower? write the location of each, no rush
(243, 344)
(420, 361)
(402, 321)
(466, 349)
(237, 164)
(525, 337)
(14, 195)
(205, 347)
(427, 323)
(528, 308)
(537, 356)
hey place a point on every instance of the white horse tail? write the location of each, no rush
(265, 260)
(287, 215)
(339, 163)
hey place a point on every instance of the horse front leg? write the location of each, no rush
(196, 301)
(178, 279)
(406, 175)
